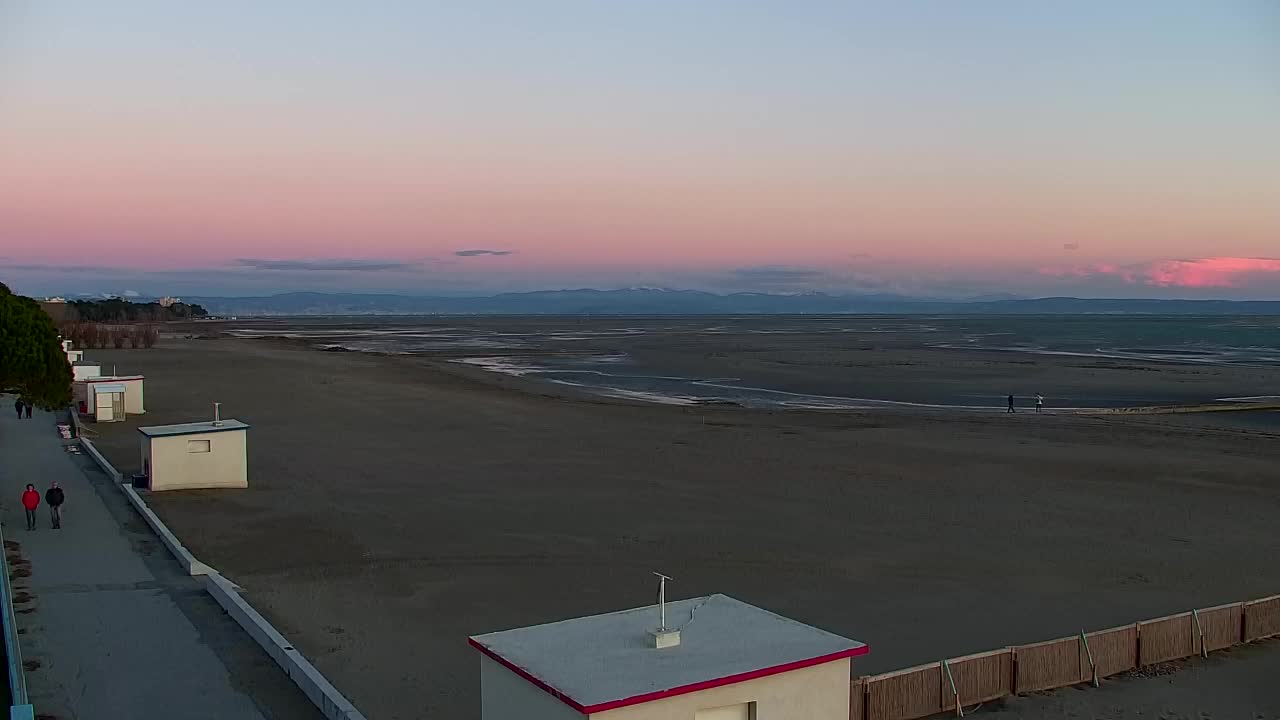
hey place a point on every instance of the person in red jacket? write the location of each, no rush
(31, 501)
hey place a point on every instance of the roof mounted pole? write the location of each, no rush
(663, 637)
(662, 600)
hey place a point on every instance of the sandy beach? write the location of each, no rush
(399, 504)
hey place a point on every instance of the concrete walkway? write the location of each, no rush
(111, 628)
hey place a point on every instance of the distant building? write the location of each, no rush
(718, 659)
(167, 301)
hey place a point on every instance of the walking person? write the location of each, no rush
(1039, 402)
(54, 497)
(31, 501)
(27, 408)
(1010, 405)
(17, 406)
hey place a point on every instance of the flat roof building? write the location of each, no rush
(728, 660)
(85, 369)
(81, 389)
(195, 455)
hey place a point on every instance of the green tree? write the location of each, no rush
(32, 363)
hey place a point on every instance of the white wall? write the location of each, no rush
(133, 397)
(173, 467)
(820, 692)
(86, 371)
(505, 695)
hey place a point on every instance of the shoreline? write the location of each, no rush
(529, 380)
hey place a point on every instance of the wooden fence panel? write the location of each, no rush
(979, 678)
(858, 699)
(1221, 626)
(1114, 651)
(1165, 639)
(1047, 665)
(906, 694)
(1262, 618)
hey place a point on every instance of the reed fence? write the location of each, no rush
(949, 686)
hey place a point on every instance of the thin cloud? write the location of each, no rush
(482, 252)
(353, 265)
(1214, 272)
(50, 267)
(1070, 246)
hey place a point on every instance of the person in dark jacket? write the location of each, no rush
(27, 407)
(54, 497)
(17, 406)
(31, 501)
(1010, 405)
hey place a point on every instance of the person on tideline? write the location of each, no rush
(1010, 404)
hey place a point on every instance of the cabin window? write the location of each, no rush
(745, 711)
(197, 446)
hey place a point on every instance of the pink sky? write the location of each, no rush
(160, 159)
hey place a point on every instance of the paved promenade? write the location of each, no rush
(111, 628)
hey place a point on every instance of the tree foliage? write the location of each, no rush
(32, 363)
(117, 310)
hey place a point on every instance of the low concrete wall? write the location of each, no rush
(75, 420)
(103, 463)
(176, 548)
(298, 668)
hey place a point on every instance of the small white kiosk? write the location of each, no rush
(84, 369)
(708, 658)
(195, 455)
(106, 401)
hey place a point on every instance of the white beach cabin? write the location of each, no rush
(84, 369)
(74, 356)
(718, 659)
(82, 392)
(106, 401)
(195, 455)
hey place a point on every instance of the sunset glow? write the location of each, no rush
(935, 149)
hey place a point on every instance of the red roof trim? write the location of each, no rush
(527, 676)
(672, 692)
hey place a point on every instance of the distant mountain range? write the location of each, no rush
(656, 301)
